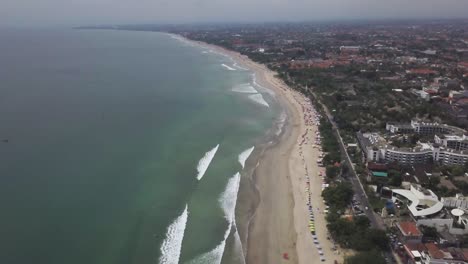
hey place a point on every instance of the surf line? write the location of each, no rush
(172, 244)
(227, 67)
(244, 156)
(227, 201)
(204, 162)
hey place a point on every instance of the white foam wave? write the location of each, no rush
(240, 67)
(172, 245)
(228, 199)
(261, 88)
(220, 53)
(205, 162)
(244, 88)
(258, 98)
(216, 254)
(227, 67)
(228, 202)
(245, 155)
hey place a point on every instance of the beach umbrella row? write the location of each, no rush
(311, 118)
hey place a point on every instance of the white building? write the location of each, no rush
(450, 148)
(421, 203)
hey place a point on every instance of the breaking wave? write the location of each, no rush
(258, 98)
(216, 254)
(240, 67)
(205, 162)
(244, 88)
(183, 40)
(261, 88)
(228, 199)
(172, 245)
(228, 202)
(227, 67)
(245, 155)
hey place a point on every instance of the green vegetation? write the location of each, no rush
(360, 100)
(395, 178)
(406, 142)
(329, 143)
(376, 202)
(366, 257)
(338, 197)
(356, 233)
(429, 233)
(462, 186)
(453, 170)
(332, 171)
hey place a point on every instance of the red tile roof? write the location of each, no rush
(430, 91)
(434, 251)
(465, 254)
(376, 166)
(409, 229)
(463, 65)
(422, 71)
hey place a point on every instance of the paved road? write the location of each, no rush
(358, 188)
(352, 176)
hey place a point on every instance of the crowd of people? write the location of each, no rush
(311, 121)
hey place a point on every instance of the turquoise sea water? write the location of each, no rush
(102, 135)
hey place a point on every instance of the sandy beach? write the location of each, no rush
(285, 176)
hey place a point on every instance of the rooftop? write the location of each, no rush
(409, 228)
(423, 202)
(379, 174)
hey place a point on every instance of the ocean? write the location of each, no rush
(123, 147)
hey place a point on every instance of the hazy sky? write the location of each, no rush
(77, 12)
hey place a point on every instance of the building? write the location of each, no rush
(455, 142)
(409, 231)
(430, 253)
(423, 128)
(371, 145)
(450, 145)
(450, 156)
(459, 201)
(421, 203)
(417, 155)
(400, 128)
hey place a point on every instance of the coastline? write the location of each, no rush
(273, 224)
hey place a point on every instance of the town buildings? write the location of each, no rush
(448, 147)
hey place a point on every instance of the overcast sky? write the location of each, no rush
(78, 12)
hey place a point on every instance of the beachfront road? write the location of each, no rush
(352, 177)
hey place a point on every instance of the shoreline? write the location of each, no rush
(275, 228)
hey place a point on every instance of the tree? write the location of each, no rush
(396, 180)
(366, 257)
(395, 177)
(457, 170)
(433, 182)
(339, 196)
(362, 222)
(429, 232)
(378, 238)
(332, 171)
